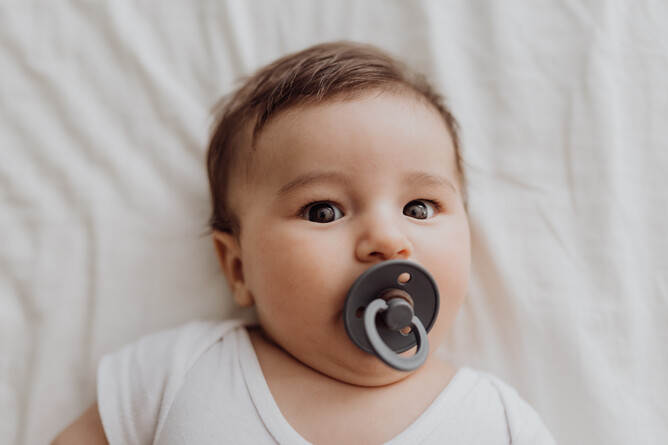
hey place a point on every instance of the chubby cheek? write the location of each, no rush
(299, 280)
(450, 267)
(452, 287)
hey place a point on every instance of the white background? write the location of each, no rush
(104, 117)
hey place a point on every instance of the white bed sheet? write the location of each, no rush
(104, 115)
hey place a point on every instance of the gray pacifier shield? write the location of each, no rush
(372, 284)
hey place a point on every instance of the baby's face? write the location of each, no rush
(332, 190)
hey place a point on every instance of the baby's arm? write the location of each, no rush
(87, 429)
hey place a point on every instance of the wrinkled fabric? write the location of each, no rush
(201, 383)
(104, 118)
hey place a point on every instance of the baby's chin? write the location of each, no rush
(359, 369)
(351, 365)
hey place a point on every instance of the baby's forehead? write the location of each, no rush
(290, 117)
(316, 136)
(370, 117)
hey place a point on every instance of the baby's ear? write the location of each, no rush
(229, 257)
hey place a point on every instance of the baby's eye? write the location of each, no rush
(419, 209)
(322, 212)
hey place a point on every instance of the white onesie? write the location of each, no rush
(202, 384)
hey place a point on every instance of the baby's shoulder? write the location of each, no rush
(473, 385)
(493, 405)
(177, 347)
(138, 383)
(191, 336)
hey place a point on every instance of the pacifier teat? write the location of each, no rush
(389, 309)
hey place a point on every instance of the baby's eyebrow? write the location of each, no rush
(412, 177)
(308, 178)
(428, 178)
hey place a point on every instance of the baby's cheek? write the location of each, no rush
(296, 266)
(452, 279)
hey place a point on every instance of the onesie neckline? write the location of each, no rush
(284, 433)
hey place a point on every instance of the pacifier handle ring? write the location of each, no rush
(387, 355)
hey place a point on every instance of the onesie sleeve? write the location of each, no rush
(525, 425)
(137, 384)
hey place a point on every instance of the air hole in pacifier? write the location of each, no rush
(359, 312)
(406, 331)
(404, 278)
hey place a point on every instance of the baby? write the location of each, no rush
(321, 165)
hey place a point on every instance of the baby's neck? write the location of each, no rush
(317, 405)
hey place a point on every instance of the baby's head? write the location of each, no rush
(318, 75)
(322, 164)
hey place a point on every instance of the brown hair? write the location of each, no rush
(313, 75)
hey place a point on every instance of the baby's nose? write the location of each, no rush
(382, 241)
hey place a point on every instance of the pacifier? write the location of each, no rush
(389, 309)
